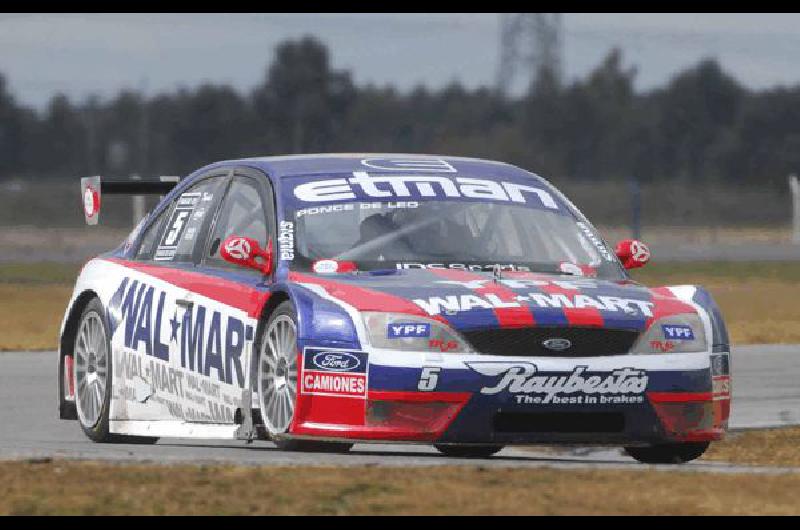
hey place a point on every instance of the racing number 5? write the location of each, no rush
(177, 225)
(429, 378)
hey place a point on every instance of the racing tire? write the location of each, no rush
(277, 382)
(468, 451)
(92, 375)
(677, 453)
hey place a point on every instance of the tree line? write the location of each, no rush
(700, 126)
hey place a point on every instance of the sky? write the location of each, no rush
(83, 54)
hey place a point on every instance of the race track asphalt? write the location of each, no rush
(766, 393)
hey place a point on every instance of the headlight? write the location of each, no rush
(682, 333)
(397, 331)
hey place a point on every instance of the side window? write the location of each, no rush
(242, 214)
(178, 227)
(150, 237)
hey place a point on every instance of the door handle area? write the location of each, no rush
(183, 302)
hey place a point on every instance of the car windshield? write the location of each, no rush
(472, 235)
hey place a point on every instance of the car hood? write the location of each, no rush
(476, 300)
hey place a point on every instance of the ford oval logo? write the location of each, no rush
(557, 344)
(336, 361)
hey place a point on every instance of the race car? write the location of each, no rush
(322, 300)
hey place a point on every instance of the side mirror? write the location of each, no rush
(244, 251)
(632, 253)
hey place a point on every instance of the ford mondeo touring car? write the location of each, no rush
(322, 300)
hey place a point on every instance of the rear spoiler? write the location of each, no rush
(93, 188)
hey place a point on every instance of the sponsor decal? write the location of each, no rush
(721, 387)
(209, 343)
(527, 385)
(189, 199)
(325, 266)
(334, 373)
(190, 364)
(331, 266)
(571, 285)
(183, 394)
(664, 346)
(362, 185)
(286, 240)
(238, 248)
(639, 252)
(473, 267)
(677, 332)
(596, 241)
(449, 304)
(333, 361)
(442, 345)
(350, 207)
(397, 330)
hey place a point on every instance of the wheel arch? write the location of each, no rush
(276, 298)
(66, 409)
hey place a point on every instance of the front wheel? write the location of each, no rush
(277, 382)
(468, 451)
(676, 453)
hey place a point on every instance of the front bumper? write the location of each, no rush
(479, 399)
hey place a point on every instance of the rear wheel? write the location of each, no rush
(92, 377)
(677, 453)
(277, 382)
(468, 451)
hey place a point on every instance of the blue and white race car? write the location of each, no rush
(323, 300)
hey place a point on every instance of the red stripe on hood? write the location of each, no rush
(228, 292)
(586, 316)
(362, 298)
(508, 317)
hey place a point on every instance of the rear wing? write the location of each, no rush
(93, 188)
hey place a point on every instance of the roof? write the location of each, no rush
(333, 163)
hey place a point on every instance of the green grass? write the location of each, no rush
(39, 273)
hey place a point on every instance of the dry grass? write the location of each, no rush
(758, 300)
(30, 315)
(90, 488)
(768, 447)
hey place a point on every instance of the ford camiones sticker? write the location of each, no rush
(334, 373)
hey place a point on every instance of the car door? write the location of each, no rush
(227, 299)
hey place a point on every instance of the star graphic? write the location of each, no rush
(173, 322)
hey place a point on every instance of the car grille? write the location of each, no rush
(528, 342)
